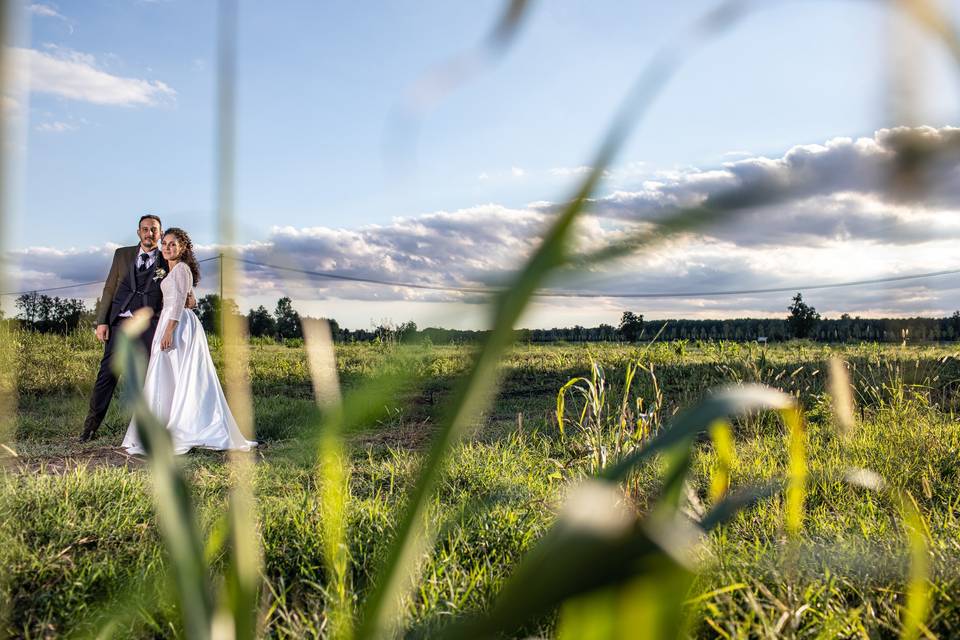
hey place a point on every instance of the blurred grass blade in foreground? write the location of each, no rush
(333, 474)
(8, 356)
(598, 542)
(382, 612)
(916, 608)
(383, 609)
(175, 513)
(238, 615)
(841, 396)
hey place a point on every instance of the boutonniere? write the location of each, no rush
(159, 274)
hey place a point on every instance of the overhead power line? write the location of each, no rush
(553, 293)
(389, 283)
(549, 293)
(743, 292)
(73, 286)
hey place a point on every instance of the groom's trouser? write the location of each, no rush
(107, 380)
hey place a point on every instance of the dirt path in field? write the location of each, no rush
(91, 459)
(413, 435)
(408, 435)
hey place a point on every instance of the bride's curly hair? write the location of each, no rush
(186, 251)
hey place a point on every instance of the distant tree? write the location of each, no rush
(802, 319)
(334, 329)
(45, 314)
(67, 314)
(288, 320)
(29, 306)
(955, 319)
(385, 332)
(209, 309)
(261, 323)
(407, 331)
(88, 316)
(631, 326)
(605, 333)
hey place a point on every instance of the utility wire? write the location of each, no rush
(594, 294)
(74, 286)
(741, 292)
(550, 293)
(388, 283)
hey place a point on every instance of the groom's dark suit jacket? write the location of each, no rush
(126, 289)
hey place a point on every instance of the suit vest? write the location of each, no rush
(145, 292)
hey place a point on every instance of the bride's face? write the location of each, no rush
(170, 247)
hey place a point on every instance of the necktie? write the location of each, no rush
(143, 262)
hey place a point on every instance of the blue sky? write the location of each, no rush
(121, 121)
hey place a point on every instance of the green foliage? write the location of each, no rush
(261, 323)
(209, 309)
(102, 515)
(803, 318)
(287, 320)
(42, 313)
(631, 326)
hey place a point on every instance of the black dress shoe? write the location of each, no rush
(88, 434)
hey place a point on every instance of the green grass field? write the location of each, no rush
(80, 544)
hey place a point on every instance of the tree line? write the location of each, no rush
(38, 312)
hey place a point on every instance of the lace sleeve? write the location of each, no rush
(182, 283)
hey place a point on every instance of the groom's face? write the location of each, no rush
(149, 233)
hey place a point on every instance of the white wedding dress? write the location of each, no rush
(181, 386)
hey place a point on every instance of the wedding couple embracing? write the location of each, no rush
(181, 385)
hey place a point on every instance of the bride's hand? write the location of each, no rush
(166, 342)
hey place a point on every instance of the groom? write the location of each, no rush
(133, 283)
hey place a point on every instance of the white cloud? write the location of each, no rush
(49, 11)
(830, 220)
(517, 172)
(483, 176)
(55, 127)
(75, 76)
(45, 11)
(570, 171)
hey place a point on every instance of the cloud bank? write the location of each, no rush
(817, 214)
(845, 189)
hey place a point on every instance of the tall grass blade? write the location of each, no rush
(175, 513)
(650, 606)
(917, 605)
(383, 606)
(796, 468)
(439, 82)
(841, 396)
(472, 394)
(243, 574)
(8, 359)
(334, 480)
(931, 17)
(562, 403)
(721, 433)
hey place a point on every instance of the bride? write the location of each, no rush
(181, 386)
